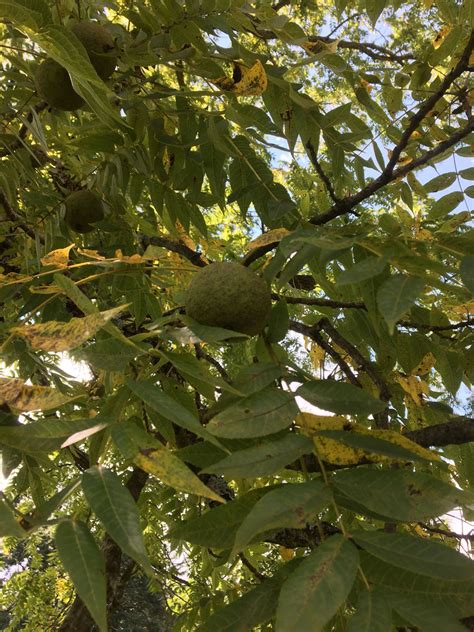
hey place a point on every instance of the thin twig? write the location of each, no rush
(252, 568)
(313, 156)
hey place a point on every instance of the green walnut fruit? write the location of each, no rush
(54, 86)
(231, 296)
(83, 210)
(99, 45)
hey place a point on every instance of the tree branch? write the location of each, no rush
(454, 432)
(389, 174)
(319, 170)
(176, 246)
(14, 217)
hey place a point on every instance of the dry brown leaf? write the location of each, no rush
(25, 398)
(58, 258)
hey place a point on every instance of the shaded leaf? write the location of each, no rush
(113, 504)
(340, 397)
(291, 506)
(421, 556)
(262, 413)
(467, 272)
(315, 591)
(373, 613)
(396, 296)
(399, 494)
(217, 528)
(264, 459)
(84, 562)
(9, 525)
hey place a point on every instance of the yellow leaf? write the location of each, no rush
(250, 81)
(329, 450)
(13, 277)
(464, 309)
(286, 554)
(365, 84)
(270, 237)
(438, 40)
(133, 259)
(57, 258)
(412, 385)
(57, 336)
(316, 47)
(91, 254)
(317, 355)
(163, 464)
(25, 398)
(398, 439)
(45, 289)
(426, 364)
(422, 234)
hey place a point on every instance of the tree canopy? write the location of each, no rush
(169, 472)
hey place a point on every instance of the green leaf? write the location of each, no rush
(315, 591)
(402, 495)
(165, 405)
(264, 459)
(217, 528)
(440, 182)
(374, 8)
(469, 191)
(84, 562)
(291, 506)
(260, 414)
(419, 555)
(278, 322)
(373, 614)
(396, 296)
(458, 596)
(43, 512)
(467, 174)
(362, 270)
(8, 523)
(467, 272)
(113, 504)
(445, 204)
(254, 607)
(340, 398)
(425, 615)
(44, 436)
(23, 13)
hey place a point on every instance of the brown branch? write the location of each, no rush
(435, 328)
(454, 432)
(313, 156)
(252, 568)
(14, 216)
(390, 174)
(318, 302)
(307, 538)
(448, 534)
(176, 246)
(313, 332)
(200, 353)
(375, 51)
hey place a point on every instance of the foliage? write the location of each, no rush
(294, 480)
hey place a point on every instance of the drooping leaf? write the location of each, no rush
(84, 562)
(315, 591)
(113, 504)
